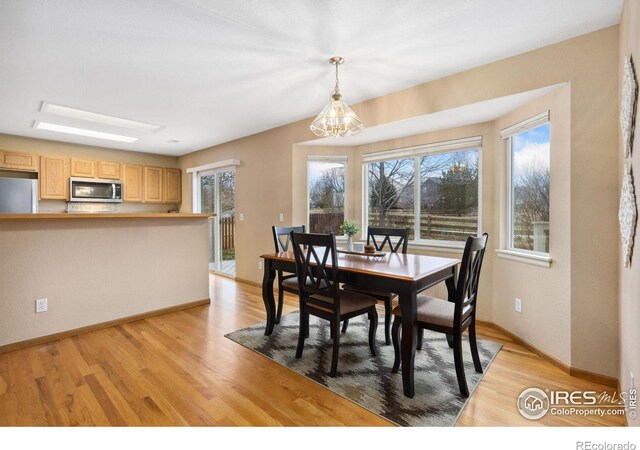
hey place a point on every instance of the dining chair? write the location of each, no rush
(452, 317)
(320, 294)
(380, 237)
(286, 282)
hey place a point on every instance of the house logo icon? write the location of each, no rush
(533, 403)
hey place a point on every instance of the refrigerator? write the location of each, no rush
(18, 195)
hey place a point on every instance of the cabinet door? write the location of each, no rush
(132, 182)
(172, 185)
(54, 178)
(152, 184)
(20, 161)
(83, 168)
(108, 170)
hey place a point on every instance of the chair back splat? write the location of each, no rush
(468, 279)
(282, 237)
(386, 233)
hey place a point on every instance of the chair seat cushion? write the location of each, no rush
(291, 284)
(432, 310)
(381, 295)
(349, 301)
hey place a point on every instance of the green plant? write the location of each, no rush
(350, 228)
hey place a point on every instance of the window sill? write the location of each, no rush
(433, 247)
(534, 260)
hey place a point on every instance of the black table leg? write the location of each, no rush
(407, 301)
(267, 296)
(451, 290)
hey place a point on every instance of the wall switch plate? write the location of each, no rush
(518, 305)
(259, 265)
(632, 381)
(41, 305)
(241, 217)
(281, 217)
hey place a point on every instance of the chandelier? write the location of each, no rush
(336, 119)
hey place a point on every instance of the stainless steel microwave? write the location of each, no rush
(95, 190)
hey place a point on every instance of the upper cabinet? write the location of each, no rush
(19, 161)
(172, 185)
(108, 170)
(132, 182)
(54, 178)
(153, 184)
(83, 168)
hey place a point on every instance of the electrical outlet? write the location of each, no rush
(281, 217)
(518, 305)
(259, 265)
(41, 305)
(241, 217)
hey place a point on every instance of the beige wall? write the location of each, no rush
(545, 320)
(55, 148)
(96, 270)
(589, 63)
(630, 277)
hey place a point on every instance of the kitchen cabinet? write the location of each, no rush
(54, 178)
(108, 170)
(132, 185)
(83, 168)
(172, 185)
(19, 161)
(153, 184)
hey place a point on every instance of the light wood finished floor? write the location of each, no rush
(179, 369)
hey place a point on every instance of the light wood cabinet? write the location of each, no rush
(153, 184)
(108, 170)
(132, 183)
(19, 161)
(83, 168)
(172, 185)
(54, 178)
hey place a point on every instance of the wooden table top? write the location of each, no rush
(393, 265)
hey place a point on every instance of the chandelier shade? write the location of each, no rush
(336, 119)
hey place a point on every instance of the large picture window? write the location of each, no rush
(529, 188)
(433, 192)
(326, 188)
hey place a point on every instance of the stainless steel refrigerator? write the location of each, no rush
(18, 195)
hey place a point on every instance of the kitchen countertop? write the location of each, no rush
(41, 216)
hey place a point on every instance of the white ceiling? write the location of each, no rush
(214, 71)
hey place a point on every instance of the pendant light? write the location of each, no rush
(336, 119)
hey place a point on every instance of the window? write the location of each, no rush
(432, 190)
(326, 183)
(529, 182)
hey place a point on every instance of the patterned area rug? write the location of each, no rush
(367, 380)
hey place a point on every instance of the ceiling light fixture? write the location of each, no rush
(83, 132)
(52, 108)
(336, 119)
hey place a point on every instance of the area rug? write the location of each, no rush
(367, 380)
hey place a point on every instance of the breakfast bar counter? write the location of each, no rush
(96, 269)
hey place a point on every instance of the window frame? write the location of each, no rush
(416, 153)
(506, 135)
(330, 159)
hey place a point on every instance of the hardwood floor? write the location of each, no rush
(179, 369)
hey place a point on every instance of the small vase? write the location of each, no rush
(350, 243)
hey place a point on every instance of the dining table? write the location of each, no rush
(403, 274)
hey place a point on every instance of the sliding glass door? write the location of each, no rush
(217, 196)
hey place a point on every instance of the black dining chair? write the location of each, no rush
(286, 282)
(452, 318)
(320, 295)
(381, 239)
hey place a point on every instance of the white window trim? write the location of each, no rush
(329, 158)
(540, 259)
(207, 169)
(415, 153)
(523, 256)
